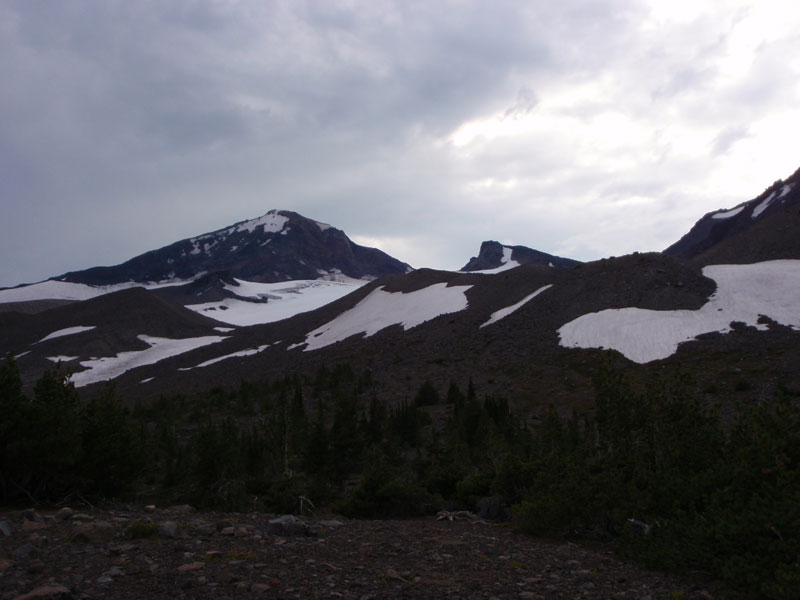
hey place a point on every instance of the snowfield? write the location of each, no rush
(504, 312)
(727, 214)
(505, 264)
(53, 289)
(240, 353)
(284, 300)
(58, 359)
(102, 369)
(67, 331)
(744, 292)
(381, 309)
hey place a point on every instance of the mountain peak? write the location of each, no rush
(280, 245)
(494, 256)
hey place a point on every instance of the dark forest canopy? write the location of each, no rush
(722, 497)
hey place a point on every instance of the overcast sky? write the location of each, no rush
(583, 128)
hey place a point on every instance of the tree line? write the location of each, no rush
(654, 470)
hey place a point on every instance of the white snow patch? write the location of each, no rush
(21, 354)
(272, 222)
(504, 312)
(785, 190)
(284, 299)
(109, 367)
(764, 204)
(147, 380)
(248, 352)
(57, 359)
(505, 264)
(505, 267)
(223, 329)
(67, 331)
(380, 309)
(744, 292)
(64, 290)
(322, 226)
(727, 214)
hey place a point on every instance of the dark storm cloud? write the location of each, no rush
(128, 125)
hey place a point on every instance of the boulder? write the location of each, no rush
(287, 525)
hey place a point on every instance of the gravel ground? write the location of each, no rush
(189, 554)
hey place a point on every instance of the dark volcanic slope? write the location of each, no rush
(117, 320)
(518, 356)
(490, 256)
(278, 246)
(764, 228)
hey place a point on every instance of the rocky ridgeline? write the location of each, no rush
(178, 552)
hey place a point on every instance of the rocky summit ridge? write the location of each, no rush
(494, 255)
(281, 245)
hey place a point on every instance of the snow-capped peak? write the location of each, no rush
(272, 222)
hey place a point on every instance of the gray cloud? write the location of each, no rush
(125, 126)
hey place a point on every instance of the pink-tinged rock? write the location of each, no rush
(65, 514)
(52, 592)
(195, 566)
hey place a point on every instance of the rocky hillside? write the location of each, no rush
(764, 228)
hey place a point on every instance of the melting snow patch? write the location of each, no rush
(249, 352)
(272, 222)
(744, 292)
(380, 309)
(223, 329)
(57, 359)
(109, 367)
(505, 263)
(727, 214)
(284, 300)
(764, 205)
(149, 379)
(65, 290)
(786, 189)
(67, 331)
(504, 312)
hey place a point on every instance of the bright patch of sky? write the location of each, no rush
(381, 309)
(110, 367)
(583, 129)
(744, 292)
(504, 312)
(67, 331)
(283, 300)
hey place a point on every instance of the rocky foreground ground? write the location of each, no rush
(178, 552)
